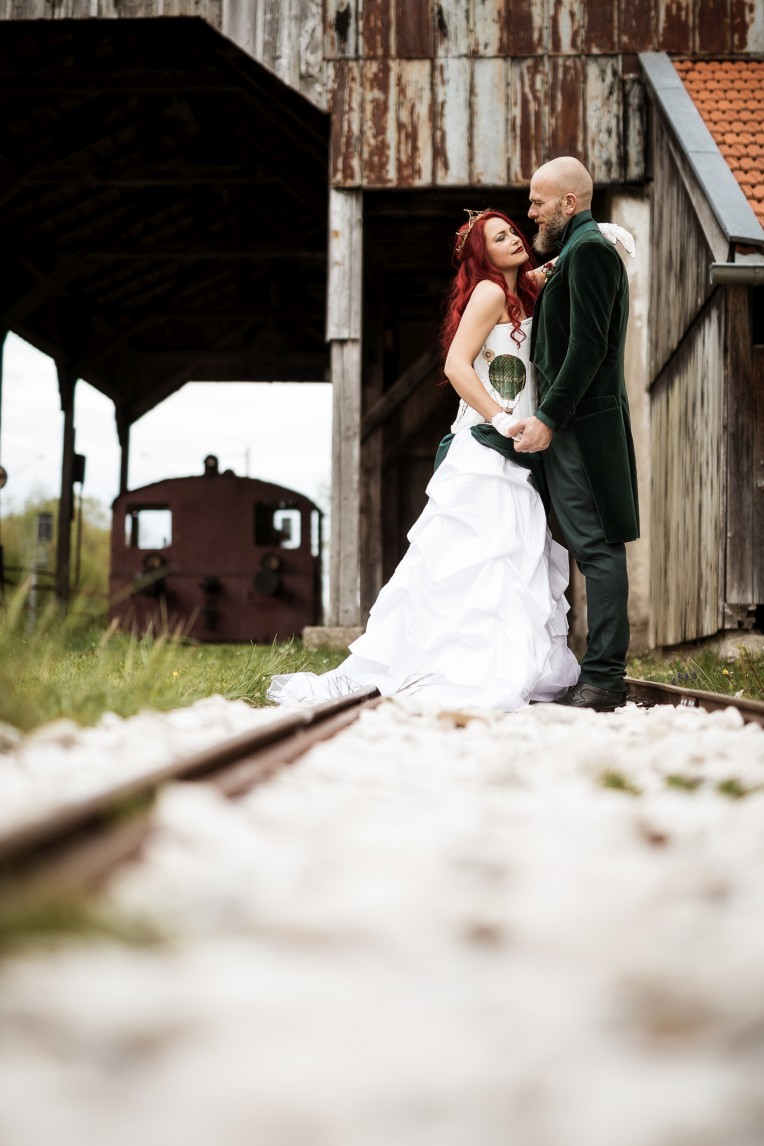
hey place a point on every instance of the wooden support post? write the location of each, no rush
(66, 384)
(343, 332)
(372, 442)
(123, 434)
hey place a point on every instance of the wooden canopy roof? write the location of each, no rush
(163, 206)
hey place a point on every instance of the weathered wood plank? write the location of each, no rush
(414, 123)
(600, 32)
(344, 285)
(344, 104)
(527, 25)
(340, 29)
(371, 538)
(450, 134)
(634, 129)
(757, 388)
(287, 56)
(344, 566)
(378, 122)
(674, 25)
(638, 26)
(311, 52)
(490, 28)
(378, 28)
(565, 26)
(527, 99)
(566, 112)
(681, 259)
(688, 466)
(489, 122)
(603, 120)
(414, 30)
(452, 28)
(741, 462)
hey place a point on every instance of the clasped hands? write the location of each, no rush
(528, 434)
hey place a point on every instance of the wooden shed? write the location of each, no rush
(155, 148)
(706, 347)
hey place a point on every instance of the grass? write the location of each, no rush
(742, 675)
(71, 666)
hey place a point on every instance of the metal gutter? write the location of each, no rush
(722, 190)
(737, 274)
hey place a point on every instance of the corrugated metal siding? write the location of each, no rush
(687, 446)
(461, 92)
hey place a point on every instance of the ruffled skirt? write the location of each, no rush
(475, 613)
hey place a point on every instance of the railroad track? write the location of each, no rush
(649, 693)
(75, 847)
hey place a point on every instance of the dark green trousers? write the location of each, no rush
(602, 564)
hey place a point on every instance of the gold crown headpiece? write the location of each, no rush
(472, 218)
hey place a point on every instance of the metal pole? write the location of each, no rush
(66, 384)
(3, 336)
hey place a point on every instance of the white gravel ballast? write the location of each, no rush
(537, 929)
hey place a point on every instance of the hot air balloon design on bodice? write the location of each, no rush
(507, 375)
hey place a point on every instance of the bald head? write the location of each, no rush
(567, 176)
(560, 189)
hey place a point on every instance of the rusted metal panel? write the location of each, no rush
(603, 119)
(747, 22)
(565, 26)
(674, 25)
(527, 22)
(490, 31)
(452, 28)
(344, 105)
(413, 29)
(638, 26)
(340, 28)
(489, 122)
(712, 32)
(378, 28)
(451, 136)
(414, 120)
(527, 99)
(379, 126)
(600, 27)
(566, 119)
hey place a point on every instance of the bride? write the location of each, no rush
(475, 613)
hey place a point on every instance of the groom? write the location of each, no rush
(582, 422)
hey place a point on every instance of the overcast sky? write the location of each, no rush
(279, 432)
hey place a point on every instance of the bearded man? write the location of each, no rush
(582, 422)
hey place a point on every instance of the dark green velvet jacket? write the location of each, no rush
(577, 347)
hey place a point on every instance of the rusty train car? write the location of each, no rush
(219, 557)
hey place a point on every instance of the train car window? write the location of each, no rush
(277, 524)
(149, 528)
(315, 533)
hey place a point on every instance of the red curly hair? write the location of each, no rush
(471, 258)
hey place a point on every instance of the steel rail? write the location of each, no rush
(71, 845)
(651, 692)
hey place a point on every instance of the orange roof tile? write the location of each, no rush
(729, 94)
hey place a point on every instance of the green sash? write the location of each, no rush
(493, 440)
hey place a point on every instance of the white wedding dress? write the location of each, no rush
(475, 613)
